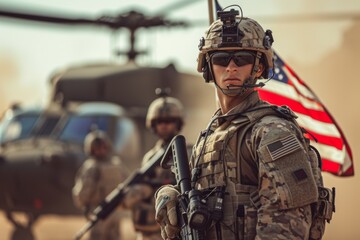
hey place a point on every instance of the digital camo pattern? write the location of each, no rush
(291, 173)
(286, 183)
(252, 38)
(165, 107)
(94, 181)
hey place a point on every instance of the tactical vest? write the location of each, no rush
(111, 174)
(226, 162)
(105, 176)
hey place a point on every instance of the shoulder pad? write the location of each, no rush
(240, 120)
(285, 112)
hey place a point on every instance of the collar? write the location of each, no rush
(251, 101)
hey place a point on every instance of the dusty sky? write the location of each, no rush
(30, 52)
(324, 52)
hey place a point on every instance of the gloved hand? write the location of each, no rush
(136, 193)
(166, 214)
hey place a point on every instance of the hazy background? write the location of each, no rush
(318, 39)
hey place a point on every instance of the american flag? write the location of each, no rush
(286, 88)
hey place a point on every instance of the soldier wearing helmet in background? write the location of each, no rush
(96, 178)
(257, 175)
(165, 118)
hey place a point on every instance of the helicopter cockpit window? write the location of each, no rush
(47, 126)
(79, 126)
(125, 135)
(19, 127)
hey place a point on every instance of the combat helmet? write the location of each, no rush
(167, 108)
(232, 31)
(96, 137)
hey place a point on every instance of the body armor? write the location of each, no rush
(229, 162)
(94, 181)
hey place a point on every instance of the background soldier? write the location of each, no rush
(165, 118)
(253, 158)
(95, 179)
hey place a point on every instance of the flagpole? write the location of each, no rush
(211, 11)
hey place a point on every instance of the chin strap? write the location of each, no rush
(232, 90)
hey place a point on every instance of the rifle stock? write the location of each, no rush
(115, 198)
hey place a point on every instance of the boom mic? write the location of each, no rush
(246, 85)
(253, 85)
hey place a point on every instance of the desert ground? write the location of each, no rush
(60, 228)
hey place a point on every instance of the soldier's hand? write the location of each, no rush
(136, 193)
(166, 214)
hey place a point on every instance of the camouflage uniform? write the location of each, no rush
(268, 181)
(257, 174)
(95, 179)
(143, 212)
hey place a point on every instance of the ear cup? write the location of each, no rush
(207, 73)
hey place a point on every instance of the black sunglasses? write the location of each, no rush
(165, 120)
(241, 58)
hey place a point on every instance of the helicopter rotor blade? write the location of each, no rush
(15, 14)
(130, 20)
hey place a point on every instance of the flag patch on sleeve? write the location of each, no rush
(283, 147)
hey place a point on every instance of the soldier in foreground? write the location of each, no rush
(95, 179)
(252, 165)
(165, 119)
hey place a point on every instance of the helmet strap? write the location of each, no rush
(251, 81)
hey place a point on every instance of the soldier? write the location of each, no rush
(252, 164)
(96, 178)
(165, 119)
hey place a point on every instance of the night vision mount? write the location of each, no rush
(231, 34)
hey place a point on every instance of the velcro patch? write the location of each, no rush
(283, 147)
(300, 175)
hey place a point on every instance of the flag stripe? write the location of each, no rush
(300, 87)
(327, 140)
(296, 106)
(318, 126)
(289, 93)
(330, 152)
(330, 166)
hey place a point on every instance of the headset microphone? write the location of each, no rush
(246, 85)
(253, 85)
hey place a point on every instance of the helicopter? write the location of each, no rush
(42, 147)
(41, 151)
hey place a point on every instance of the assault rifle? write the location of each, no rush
(194, 216)
(113, 200)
